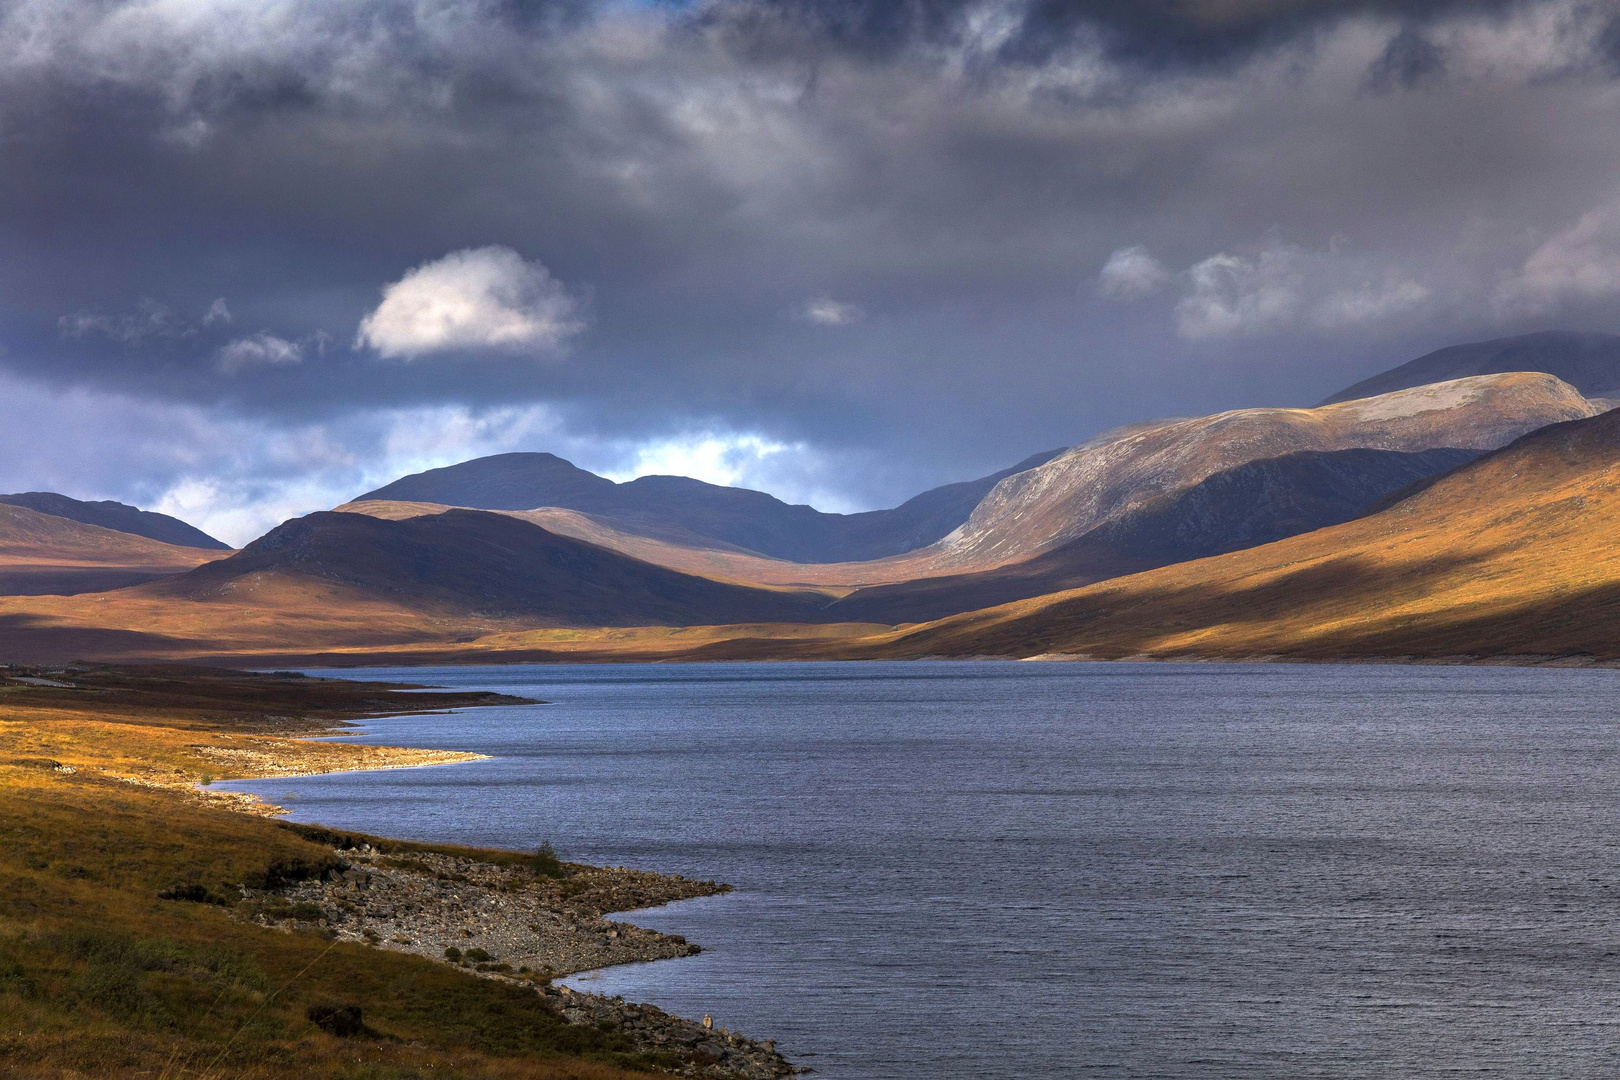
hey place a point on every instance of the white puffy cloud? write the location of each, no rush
(486, 299)
(825, 311)
(1284, 287)
(1132, 273)
(218, 312)
(261, 349)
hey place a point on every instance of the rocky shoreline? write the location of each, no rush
(526, 923)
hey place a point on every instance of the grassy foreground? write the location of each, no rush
(101, 976)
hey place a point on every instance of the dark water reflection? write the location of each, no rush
(1067, 870)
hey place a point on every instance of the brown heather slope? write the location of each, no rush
(43, 553)
(1513, 556)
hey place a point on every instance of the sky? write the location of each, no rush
(259, 256)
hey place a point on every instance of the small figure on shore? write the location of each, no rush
(708, 1022)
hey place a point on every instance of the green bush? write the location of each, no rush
(545, 862)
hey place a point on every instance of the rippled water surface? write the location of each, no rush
(1072, 870)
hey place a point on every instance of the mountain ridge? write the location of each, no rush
(1042, 508)
(1508, 556)
(684, 510)
(45, 554)
(1250, 505)
(120, 517)
(1590, 362)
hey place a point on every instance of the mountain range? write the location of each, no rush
(522, 555)
(473, 560)
(686, 511)
(1511, 556)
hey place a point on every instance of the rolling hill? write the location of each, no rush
(120, 517)
(470, 561)
(691, 513)
(1588, 362)
(1510, 557)
(43, 554)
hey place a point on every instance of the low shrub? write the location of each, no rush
(545, 862)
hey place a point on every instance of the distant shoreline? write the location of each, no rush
(1514, 660)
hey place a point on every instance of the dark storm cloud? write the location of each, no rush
(865, 236)
(1159, 33)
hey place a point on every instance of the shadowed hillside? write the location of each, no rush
(468, 560)
(119, 517)
(1588, 362)
(689, 512)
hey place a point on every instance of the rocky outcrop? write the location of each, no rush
(501, 919)
(515, 923)
(705, 1051)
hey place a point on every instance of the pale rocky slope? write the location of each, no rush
(1042, 508)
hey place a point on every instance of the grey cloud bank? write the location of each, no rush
(842, 251)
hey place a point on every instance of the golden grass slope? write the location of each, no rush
(1514, 556)
(43, 552)
(278, 620)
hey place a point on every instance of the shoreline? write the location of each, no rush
(494, 922)
(219, 916)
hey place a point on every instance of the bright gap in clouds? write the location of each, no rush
(791, 471)
(237, 477)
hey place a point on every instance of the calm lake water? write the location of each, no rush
(1073, 870)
